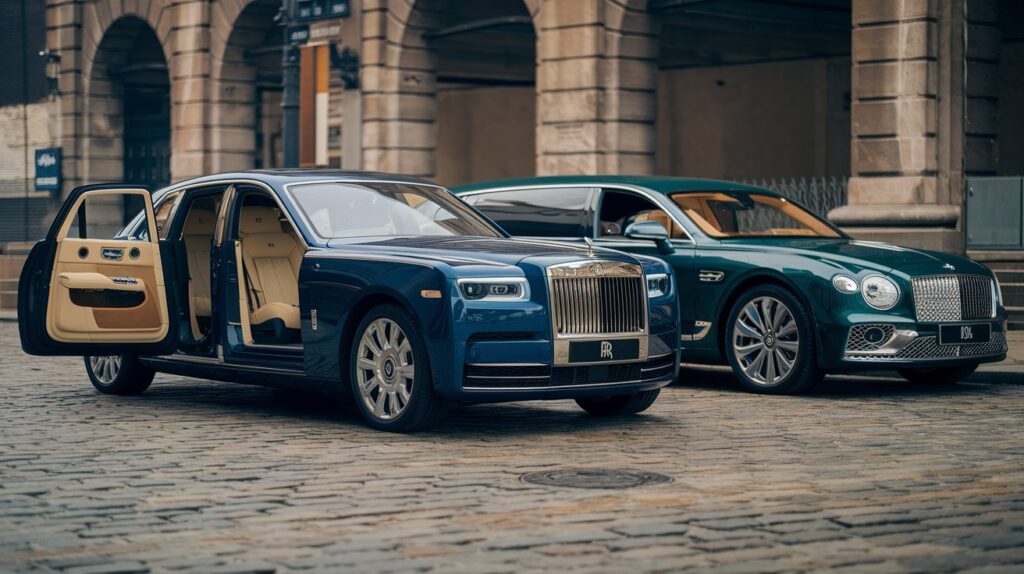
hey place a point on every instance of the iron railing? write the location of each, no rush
(819, 194)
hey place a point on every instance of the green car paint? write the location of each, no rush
(712, 273)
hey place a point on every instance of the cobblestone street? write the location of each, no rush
(866, 474)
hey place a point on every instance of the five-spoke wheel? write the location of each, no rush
(770, 342)
(390, 372)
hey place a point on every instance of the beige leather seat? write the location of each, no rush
(197, 233)
(271, 258)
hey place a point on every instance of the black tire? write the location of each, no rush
(619, 405)
(804, 372)
(938, 375)
(130, 377)
(423, 407)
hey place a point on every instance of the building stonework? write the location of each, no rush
(889, 94)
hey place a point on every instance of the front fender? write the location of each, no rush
(339, 290)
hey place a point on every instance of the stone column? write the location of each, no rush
(63, 37)
(190, 88)
(907, 123)
(596, 86)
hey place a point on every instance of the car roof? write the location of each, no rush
(297, 175)
(659, 184)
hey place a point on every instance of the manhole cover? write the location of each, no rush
(595, 478)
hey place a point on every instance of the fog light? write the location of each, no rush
(874, 335)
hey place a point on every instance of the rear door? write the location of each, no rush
(86, 289)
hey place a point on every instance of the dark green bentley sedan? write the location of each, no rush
(778, 293)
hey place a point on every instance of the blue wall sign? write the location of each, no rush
(48, 169)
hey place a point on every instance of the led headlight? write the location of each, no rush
(880, 293)
(485, 289)
(657, 285)
(845, 284)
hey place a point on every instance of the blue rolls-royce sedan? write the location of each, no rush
(385, 286)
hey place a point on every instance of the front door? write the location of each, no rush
(87, 289)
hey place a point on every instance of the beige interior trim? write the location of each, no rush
(98, 281)
(243, 298)
(81, 262)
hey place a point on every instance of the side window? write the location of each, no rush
(621, 208)
(137, 229)
(547, 212)
(102, 217)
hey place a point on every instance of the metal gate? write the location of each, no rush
(147, 142)
(995, 213)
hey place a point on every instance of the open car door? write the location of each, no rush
(89, 290)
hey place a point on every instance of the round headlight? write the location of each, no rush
(844, 284)
(880, 293)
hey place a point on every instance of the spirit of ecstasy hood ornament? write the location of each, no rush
(590, 247)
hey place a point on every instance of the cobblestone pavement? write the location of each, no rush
(865, 475)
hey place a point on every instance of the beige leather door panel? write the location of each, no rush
(107, 290)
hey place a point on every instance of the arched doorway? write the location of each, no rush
(128, 103)
(246, 108)
(469, 68)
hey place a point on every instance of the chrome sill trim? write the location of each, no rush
(506, 364)
(489, 377)
(216, 363)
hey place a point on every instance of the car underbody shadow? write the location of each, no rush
(883, 384)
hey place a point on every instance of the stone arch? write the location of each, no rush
(401, 131)
(110, 31)
(245, 96)
(126, 133)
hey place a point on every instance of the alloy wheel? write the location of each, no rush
(105, 368)
(766, 340)
(384, 369)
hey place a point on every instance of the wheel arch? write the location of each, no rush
(358, 312)
(750, 281)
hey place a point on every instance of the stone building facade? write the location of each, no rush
(905, 98)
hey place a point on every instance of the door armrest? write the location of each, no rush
(100, 281)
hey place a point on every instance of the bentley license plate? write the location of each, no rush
(963, 334)
(602, 351)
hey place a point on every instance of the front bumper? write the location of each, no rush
(892, 344)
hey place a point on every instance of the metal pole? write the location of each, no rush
(290, 95)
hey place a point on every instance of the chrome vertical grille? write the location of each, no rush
(942, 298)
(598, 298)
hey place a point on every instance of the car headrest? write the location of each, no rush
(259, 220)
(199, 222)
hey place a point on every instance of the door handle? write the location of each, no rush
(112, 254)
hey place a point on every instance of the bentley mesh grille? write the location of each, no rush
(857, 342)
(929, 348)
(944, 298)
(598, 305)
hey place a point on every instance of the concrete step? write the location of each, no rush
(8, 299)
(1009, 276)
(1013, 294)
(1015, 321)
(10, 266)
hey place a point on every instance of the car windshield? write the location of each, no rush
(740, 214)
(372, 209)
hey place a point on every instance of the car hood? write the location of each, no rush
(854, 255)
(458, 251)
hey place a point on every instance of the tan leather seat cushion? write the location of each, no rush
(272, 258)
(197, 233)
